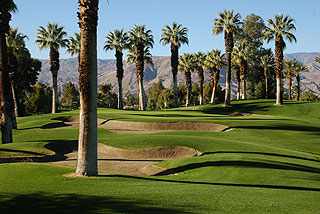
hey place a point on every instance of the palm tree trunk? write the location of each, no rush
(15, 112)
(266, 80)
(189, 87)
(214, 89)
(298, 92)
(87, 152)
(119, 55)
(228, 39)
(228, 80)
(278, 102)
(5, 92)
(54, 93)
(142, 103)
(279, 46)
(174, 66)
(200, 76)
(238, 84)
(120, 95)
(243, 88)
(55, 65)
(290, 84)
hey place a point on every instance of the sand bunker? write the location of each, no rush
(137, 127)
(132, 162)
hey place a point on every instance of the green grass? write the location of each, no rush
(263, 165)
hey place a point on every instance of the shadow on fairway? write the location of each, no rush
(285, 127)
(219, 184)
(260, 153)
(73, 203)
(245, 164)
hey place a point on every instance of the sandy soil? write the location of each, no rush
(131, 162)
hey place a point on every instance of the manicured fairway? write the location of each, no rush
(263, 165)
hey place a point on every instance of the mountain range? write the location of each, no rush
(161, 71)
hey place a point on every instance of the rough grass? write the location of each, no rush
(264, 165)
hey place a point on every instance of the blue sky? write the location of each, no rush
(196, 15)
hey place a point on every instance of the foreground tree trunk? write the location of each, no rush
(55, 65)
(279, 46)
(87, 153)
(174, 66)
(6, 108)
(13, 66)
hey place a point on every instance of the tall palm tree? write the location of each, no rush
(298, 69)
(118, 40)
(15, 44)
(200, 57)
(288, 66)
(187, 63)
(243, 54)
(280, 28)
(88, 137)
(214, 62)
(53, 38)
(266, 62)
(73, 47)
(141, 40)
(6, 100)
(229, 23)
(176, 36)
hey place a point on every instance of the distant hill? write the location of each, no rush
(159, 71)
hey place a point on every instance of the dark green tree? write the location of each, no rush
(153, 95)
(38, 100)
(106, 97)
(70, 97)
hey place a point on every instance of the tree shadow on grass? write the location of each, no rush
(245, 164)
(59, 147)
(74, 203)
(265, 186)
(260, 153)
(285, 127)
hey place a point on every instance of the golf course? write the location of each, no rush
(262, 158)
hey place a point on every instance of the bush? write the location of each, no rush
(70, 97)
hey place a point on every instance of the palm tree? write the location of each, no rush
(73, 46)
(119, 41)
(200, 57)
(298, 69)
(187, 63)
(6, 100)
(289, 66)
(266, 62)
(15, 44)
(177, 36)
(279, 29)
(214, 62)
(229, 23)
(141, 40)
(88, 137)
(52, 38)
(243, 54)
